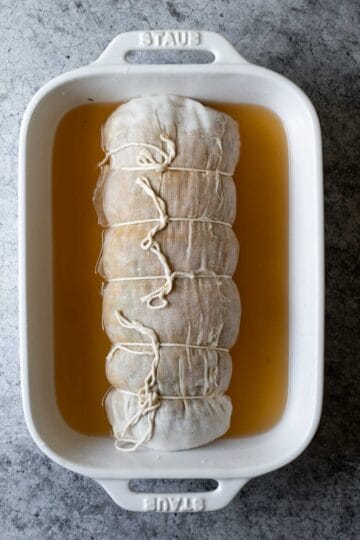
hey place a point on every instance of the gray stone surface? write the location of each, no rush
(316, 44)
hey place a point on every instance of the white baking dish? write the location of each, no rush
(232, 462)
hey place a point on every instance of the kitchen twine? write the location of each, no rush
(148, 396)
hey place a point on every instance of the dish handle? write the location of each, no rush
(118, 49)
(121, 492)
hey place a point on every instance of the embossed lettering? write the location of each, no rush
(198, 504)
(149, 504)
(186, 505)
(145, 38)
(174, 504)
(169, 40)
(157, 37)
(180, 38)
(195, 38)
(163, 504)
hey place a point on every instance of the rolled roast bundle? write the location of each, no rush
(167, 201)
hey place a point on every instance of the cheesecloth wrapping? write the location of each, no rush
(166, 200)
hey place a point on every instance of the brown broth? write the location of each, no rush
(260, 356)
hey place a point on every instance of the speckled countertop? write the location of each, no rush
(314, 43)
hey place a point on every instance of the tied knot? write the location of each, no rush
(170, 147)
(148, 160)
(147, 242)
(156, 299)
(149, 399)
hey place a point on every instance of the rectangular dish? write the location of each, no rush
(228, 79)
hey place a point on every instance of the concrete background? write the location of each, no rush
(314, 43)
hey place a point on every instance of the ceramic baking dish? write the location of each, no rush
(232, 462)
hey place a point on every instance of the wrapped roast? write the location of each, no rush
(167, 201)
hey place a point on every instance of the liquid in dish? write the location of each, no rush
(260, 357)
